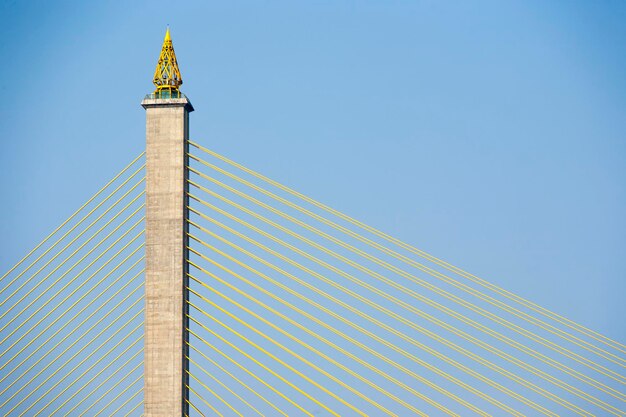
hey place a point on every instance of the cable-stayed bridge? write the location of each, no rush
(192, 285)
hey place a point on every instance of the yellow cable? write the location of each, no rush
(448, 360)
(419, 281)
(524, 316)
(240, 398)
(15, 380)
(68, 348)
(304, 360)
(114, 386)
(82, 362)
(139, 391)
(215, 394)
(258, 363)
(64, 261)
(85, 384)
(584, 361)
(70, 320)
(357, 343)
(67, 284)
(286, 365)
(528, 304)
(119, 213)
(204, 401)
(107, 379)
(194, 407)
(132, 410)
(69, 295)
(66, 234)
(107, 405)
(500, 370)
(233, 376)
(68, 220)
(313, 318)
(67, 310)
(409, 307)
(316, 351)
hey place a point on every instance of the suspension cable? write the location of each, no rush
(68, 348)
(81, 337)
(252, 390)
(108, 391)
(283, 363)
(67, 310)
(107, 379)
(214, 394)
(367, 333)
(491, 316)
(322, 355)
(434, 352)
(375, 290)
(132, 410)
(119, 395)
(304, 360)
(93, 236)
(83, 361)
(226, 387)
(488, 299)
(70, 320)
(96, 259)
(70, 231)
(314, 334)
(259, 364)
(84, 385)
(71, 217)
(350, 308)
(194, 407)
(414, 294)
(507, 294)
(204, 401)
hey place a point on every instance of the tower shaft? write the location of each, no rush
(165, 348)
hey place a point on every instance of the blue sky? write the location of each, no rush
(491, 135)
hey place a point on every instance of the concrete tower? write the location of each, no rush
(165, 348)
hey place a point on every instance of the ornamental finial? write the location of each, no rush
(167, 77)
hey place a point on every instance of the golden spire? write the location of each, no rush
(167, 77)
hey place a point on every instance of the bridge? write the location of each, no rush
(192, 285)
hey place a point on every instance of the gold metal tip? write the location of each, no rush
(167, 75)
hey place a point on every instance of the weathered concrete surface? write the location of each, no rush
(167, 130)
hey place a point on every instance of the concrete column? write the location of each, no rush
(167, 131)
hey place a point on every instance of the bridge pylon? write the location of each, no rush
(165, 347)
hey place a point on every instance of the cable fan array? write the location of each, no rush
(298, 309)
(293, 309)
(71, 311)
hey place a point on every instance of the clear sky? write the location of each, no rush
(491, 134)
